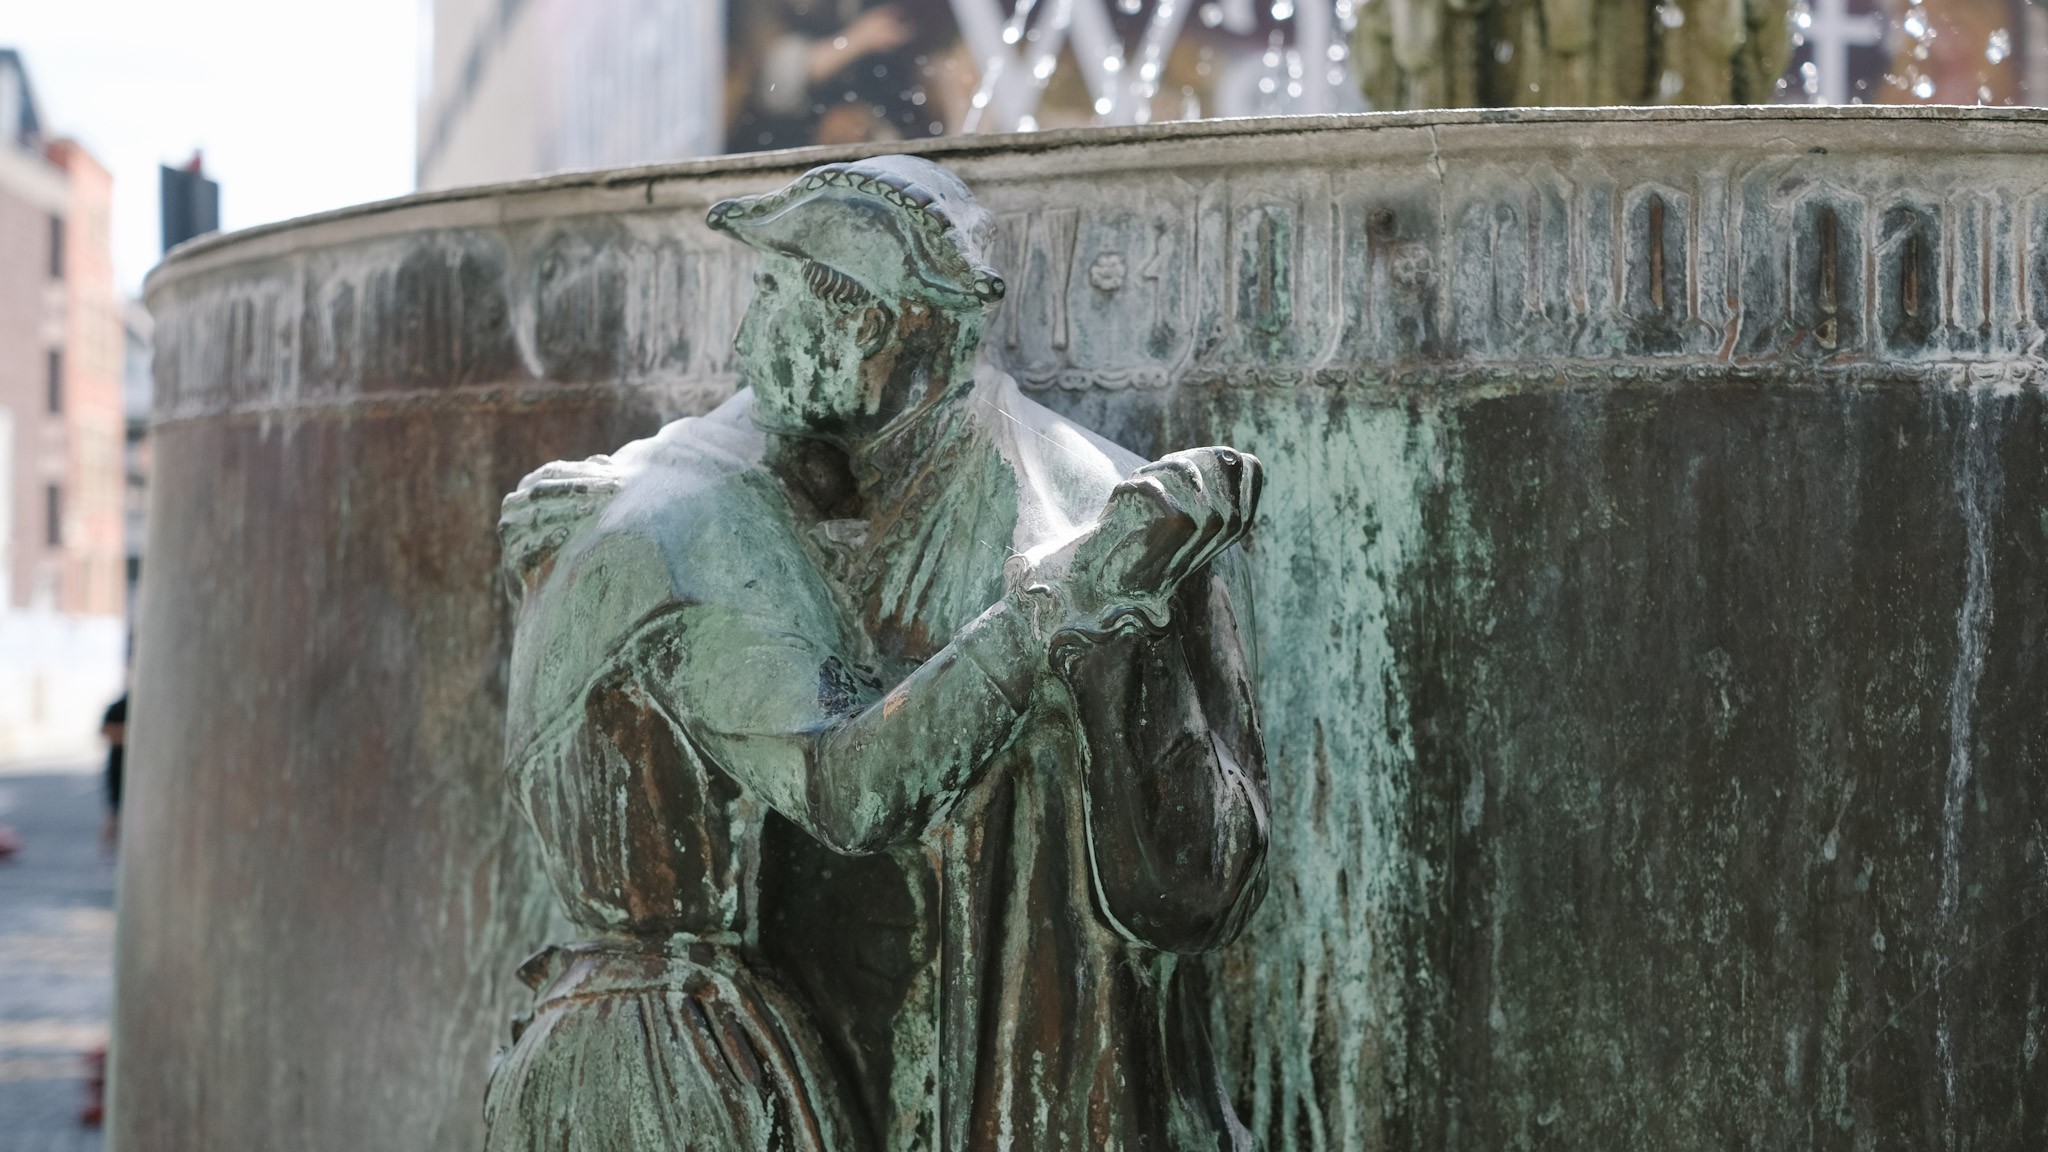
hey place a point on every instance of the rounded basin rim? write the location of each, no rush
(797, 159)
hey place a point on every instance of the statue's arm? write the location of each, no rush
(1175, 773)
(856, 768)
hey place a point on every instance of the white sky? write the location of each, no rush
(299, 105)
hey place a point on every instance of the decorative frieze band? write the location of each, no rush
(1297, 276)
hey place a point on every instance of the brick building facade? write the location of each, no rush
(62, 434)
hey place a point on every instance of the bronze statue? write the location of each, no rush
(879, 602)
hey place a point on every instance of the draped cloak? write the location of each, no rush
(990, 922)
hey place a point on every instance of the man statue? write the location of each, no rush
(879, 602)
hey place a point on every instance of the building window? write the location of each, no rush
(56, 247)
(56, 381)
(53, 511)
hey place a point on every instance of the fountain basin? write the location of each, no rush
(1650, 624)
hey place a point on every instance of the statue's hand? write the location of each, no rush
(1164, 524)
(550, 503)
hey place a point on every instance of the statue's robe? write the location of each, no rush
(983, 887)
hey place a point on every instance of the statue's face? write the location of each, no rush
(802, 357)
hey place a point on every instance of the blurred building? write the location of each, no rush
(519, 87)
(138, 391)
(188, 207)
(188, 200)
(62, 431)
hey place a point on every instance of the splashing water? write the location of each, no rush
(1121, 49)
(1273, 57)
(1998, 47)
(1858, 51)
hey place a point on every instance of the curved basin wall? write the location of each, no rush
(1650, 619)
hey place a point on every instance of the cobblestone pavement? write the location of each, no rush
(56, 957)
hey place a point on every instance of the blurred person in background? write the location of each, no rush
(114, 730)
(838, 72)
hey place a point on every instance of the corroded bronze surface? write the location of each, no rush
(882, 596)
(1649, 628)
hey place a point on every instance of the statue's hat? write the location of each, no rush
(901, 227)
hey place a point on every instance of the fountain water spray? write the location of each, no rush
(1305, 69)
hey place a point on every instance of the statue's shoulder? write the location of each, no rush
(694, 469)
(1064, 471)
(606, 548)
